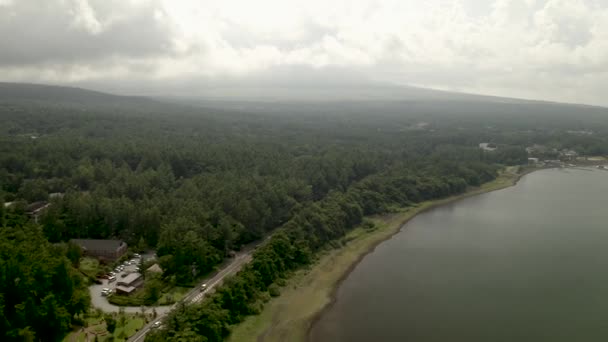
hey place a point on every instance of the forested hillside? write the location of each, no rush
(197, 183)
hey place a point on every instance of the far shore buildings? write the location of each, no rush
(109, 250)
(568, 154)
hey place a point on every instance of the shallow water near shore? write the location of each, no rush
(527, 263)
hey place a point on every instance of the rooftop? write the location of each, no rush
(98, 244)
(125, 289)
(155, 269)
(130, 278)
(36, 206)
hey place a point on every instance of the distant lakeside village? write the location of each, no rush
(543, 156)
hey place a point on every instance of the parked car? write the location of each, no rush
(136, 255)
(111, 279)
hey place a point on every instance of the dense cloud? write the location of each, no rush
(550, 49)
(79, 31)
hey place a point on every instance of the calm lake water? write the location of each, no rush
(527, 263)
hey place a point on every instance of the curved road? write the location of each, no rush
(102, 303)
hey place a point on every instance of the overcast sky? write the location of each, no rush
(543, 49)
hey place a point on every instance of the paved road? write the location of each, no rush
(100, 302)
(196, 295)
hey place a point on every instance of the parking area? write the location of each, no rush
(99, 296)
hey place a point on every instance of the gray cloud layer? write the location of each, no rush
(64, 32)
(547, 49)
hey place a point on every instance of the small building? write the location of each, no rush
(129, 284)
(36, 209)
(488, 147)
(56, 195)
(126, 290)
(155, 269)
(553, 162)
(569, 154)
(536, 149)
(131, 280)
(102, 249)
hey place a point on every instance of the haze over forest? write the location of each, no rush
(536, 49)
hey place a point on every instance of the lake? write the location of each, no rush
(526, 263)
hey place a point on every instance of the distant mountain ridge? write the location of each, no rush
(62, 94)
(312, 97)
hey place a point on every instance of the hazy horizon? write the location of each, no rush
(551, 50)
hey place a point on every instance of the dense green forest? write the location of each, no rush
(197, 183)
(41, 294)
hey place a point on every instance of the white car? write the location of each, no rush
(156, 325)
(203, 287)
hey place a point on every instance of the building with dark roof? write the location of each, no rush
(126, 290)
(132, 279)
(129, 283)
(36, 209)
(102, 249)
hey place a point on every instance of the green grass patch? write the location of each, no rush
(97, 326)
(136, 299)
(174, 295)
(90, 267)
(132, 325)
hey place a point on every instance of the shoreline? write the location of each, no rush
(420, 209)
(310, 293)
